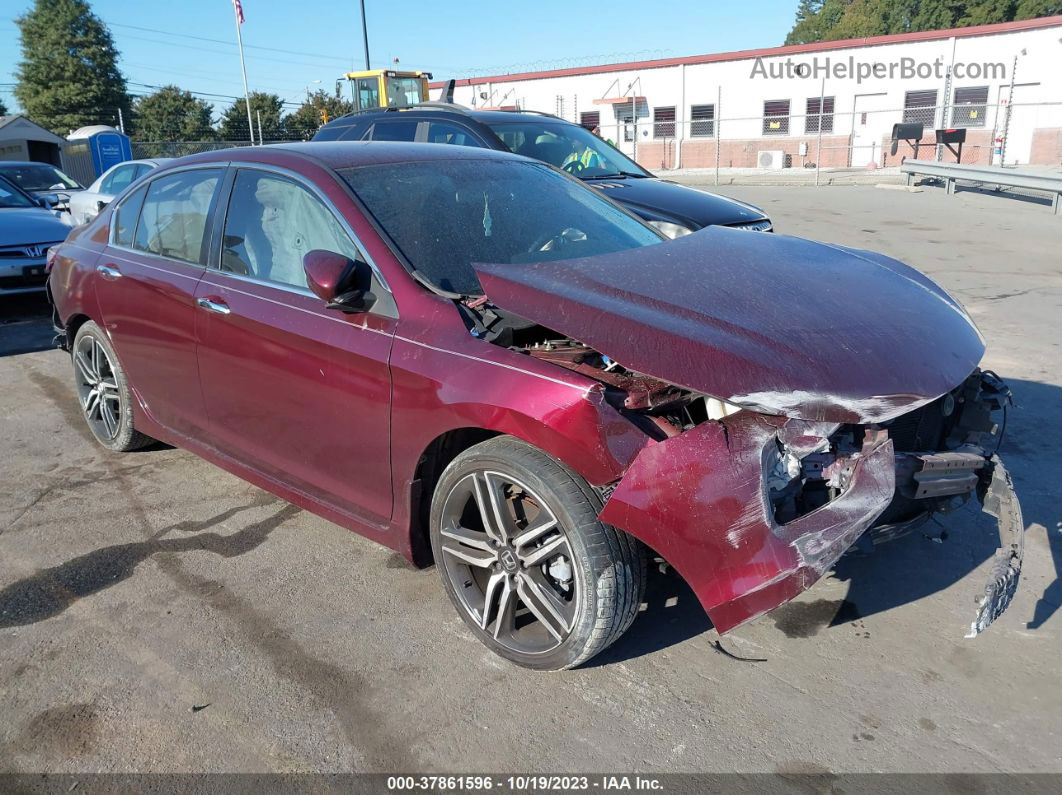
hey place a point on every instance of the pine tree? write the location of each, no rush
(1030, 9)
(172, 114)
(234, 121)
(69, 74)
(828, 20)
(3, 108)
(318, 108)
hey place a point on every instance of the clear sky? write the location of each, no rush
(313, 40)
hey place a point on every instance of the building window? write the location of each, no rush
(590, 119)
(664, 122)
(819, 118)
(776, 117)
(920, 107)
(702, 121)
(970, 107)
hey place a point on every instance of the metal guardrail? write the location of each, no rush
(990, 175)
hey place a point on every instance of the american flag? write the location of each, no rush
(236, 4)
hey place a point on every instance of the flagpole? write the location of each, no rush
(243, 70)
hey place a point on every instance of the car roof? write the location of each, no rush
(350, 154)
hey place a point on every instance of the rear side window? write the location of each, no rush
(125, 217)
(174, 217)
(442, 132)
(118, 180)
(394, 131)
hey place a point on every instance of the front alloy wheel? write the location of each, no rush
(524, 558)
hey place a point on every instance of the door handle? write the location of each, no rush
(108, 272)
(218, 307)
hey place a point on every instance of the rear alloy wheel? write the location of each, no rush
(525, 560)
(103, 392)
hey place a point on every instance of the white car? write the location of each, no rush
(86, 204)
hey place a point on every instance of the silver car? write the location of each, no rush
(27, 230)
(86, 205)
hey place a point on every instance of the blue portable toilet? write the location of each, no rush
(94, 149)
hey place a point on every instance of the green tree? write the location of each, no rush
(172, 114)
(318, 108)
(233, 125)
(69, 75)
(1030, 9)
(829, 20)
(3, 108)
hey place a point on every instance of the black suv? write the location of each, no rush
(674, 209)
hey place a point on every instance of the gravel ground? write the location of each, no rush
(157, 614)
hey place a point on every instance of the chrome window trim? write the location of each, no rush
(299, 180)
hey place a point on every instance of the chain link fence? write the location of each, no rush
(820, 135)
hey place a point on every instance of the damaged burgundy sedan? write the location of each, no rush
(474, 359)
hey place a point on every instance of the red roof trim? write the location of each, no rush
(794, 49)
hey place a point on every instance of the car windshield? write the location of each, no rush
(445, 215)
(568, 146)
(38, 176)
(12, 197)
(403, 92)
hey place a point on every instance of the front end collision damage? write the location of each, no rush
(753, 509)
(774, 448)
(699, 500)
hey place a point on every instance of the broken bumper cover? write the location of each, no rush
(999, 500)
(698, 499)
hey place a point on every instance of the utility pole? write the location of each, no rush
(365, 35)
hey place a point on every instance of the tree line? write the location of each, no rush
(830, 20)
(69, 77)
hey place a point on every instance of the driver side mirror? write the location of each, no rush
(342, 283)
(48, 201)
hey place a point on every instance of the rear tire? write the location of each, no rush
(103, 391)
(525, 560)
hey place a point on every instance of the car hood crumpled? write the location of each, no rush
(772, 323)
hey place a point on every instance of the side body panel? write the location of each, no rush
(299, 391)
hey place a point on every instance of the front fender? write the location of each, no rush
(699, 500)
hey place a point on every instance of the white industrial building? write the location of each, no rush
(831, 103)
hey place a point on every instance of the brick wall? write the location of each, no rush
(741, 153)
(1046, 146)
(974, 152)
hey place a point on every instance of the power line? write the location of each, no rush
(230, 44)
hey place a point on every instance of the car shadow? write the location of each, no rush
(1007, 193)
(49, 592)
(910, 568)
(25, 324)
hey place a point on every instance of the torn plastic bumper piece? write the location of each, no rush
(999, 500)
(698, 500)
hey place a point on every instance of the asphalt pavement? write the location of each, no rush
(158, 614)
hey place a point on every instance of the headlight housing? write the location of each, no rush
(672, 230)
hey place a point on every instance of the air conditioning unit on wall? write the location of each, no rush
(770, 158)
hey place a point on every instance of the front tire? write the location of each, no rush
(525, 560)
(103, 391)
